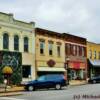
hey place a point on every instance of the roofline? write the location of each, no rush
(74, 36)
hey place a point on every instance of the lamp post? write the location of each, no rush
(67, 59)
(7, 71)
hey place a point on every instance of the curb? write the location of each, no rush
(77, 84)
(10, 94)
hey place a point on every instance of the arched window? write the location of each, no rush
(5, 41)
(16, 42)
(25, 44)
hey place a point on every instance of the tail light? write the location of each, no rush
(65, 77)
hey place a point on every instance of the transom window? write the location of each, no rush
(5, 41)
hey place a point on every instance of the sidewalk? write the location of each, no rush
(11, 91)
(77, 82)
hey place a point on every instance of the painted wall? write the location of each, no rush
(93, 47)
(14, 27)
(41, 60)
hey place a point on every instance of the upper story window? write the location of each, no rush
(16, 42)
(83, 51)
(50, 47)
(77, 50)
(5, 41)
(99, 55)
(80, 51)
(59, 50)
(94, 54)
(42, 45)
(74, 50)
(67, 49)
(90, 54)
(26, 44)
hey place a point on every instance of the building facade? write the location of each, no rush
(75, 57)
(17, 47)
(93, 55)
(50, 56)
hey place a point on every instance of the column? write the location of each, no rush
(11, 42)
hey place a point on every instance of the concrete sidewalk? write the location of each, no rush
(77, 82)
(11, 91)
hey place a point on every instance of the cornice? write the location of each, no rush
(10, 25)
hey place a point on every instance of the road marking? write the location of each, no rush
(8, 98)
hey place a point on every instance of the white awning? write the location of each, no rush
(51, 69)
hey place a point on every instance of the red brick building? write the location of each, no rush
(75, 57)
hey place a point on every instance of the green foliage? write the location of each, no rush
(14, 60)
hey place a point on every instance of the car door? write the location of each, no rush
(49, 81)
(41, 82)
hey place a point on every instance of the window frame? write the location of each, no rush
(16, 43)
(26, 44)
(5, 43)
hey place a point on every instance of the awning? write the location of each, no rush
(94, 63)
(77, 65)
(51, 69)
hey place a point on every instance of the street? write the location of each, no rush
(83, 92)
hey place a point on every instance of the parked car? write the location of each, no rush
(56, 81)
(94, 80)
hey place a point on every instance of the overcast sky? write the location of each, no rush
(78, 17)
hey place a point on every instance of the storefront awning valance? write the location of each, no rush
(51, 69)
(77, 65)
(95, 63)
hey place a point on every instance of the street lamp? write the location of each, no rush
(67, 59)
(7, 71)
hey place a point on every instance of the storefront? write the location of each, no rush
(76, 71)
(14, 61)
(50, 70)
(93, 68)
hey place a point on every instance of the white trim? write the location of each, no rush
(77, 44)
(51, 69)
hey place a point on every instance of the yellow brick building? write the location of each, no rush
(93, 55)
(50, 52)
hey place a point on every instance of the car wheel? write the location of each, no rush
(30, 88)
(94, 81)
(58, 87)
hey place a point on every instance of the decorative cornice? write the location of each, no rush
(15, 26)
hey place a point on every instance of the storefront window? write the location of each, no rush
(26, 71)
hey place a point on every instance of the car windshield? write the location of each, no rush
(42, 78)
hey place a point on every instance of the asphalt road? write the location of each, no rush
(83, 92)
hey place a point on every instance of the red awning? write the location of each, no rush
(77, 65)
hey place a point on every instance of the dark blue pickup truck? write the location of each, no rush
(56, 81)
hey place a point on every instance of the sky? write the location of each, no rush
(77, 17)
